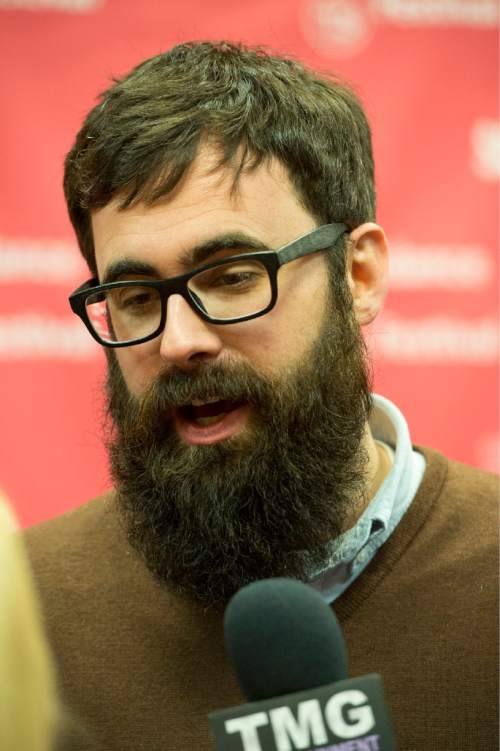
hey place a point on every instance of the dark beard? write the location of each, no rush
(209, 519)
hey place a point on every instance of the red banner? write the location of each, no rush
(427, 73)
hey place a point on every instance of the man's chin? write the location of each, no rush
(208, 519)
(208, 556)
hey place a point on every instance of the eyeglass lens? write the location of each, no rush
(233, 290)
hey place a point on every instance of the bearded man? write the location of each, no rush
(224, 201)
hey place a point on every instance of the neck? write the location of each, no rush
(379, 466)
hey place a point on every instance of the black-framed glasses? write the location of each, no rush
(234, 289)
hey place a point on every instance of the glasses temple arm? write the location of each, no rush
(320, 239)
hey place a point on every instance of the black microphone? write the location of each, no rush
(290, 660)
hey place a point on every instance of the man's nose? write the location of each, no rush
(187, 338)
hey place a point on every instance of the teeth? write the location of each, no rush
(209, 420)
(200, 402)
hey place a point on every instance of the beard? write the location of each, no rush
(267, 502)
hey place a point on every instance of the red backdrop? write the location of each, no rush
(426, 71)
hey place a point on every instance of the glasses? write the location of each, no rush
(234, 289)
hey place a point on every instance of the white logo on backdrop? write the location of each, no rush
(485, 141)
(437, 339)
(345, 27)
(477, 13)
(415, 266)
(32, 336)
(40, 261)
(70, 6)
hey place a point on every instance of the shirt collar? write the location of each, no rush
(389, 426)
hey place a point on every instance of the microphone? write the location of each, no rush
(290, 659)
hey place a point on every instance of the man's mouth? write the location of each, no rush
(210, 421)
(206, 413)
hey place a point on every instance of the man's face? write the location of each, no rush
(267, 210)
(211, 508)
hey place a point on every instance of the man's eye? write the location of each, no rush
(240, 278)
(135, 300)
(233, 278)
(140, 299)
(233, 275)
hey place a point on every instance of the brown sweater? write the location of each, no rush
(142, 667)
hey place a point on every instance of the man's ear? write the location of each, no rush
(367, 270)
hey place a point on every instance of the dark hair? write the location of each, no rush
(143, 135)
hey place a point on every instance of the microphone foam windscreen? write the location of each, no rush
(282, 637)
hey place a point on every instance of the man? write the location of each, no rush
(224, 201)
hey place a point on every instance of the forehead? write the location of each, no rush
(205, 204)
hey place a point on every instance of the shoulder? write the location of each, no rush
(461, 480)
(75, 536)
(83, 564)
(464, 500)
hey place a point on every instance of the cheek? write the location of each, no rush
(284, 336)
(139, 365)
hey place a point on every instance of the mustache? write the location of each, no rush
(236, 382)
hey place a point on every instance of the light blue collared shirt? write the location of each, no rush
(350, 553)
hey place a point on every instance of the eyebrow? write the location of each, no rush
(188, 259)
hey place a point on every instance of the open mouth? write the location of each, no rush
(206, 413)
(204, 422)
